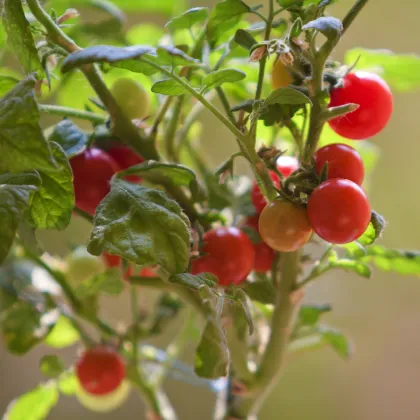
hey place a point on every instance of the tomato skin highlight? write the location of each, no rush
(343, 162)
(92, 172)
(339, 211)
(100, 370)
(287, 165)
(373, 95)
(284, 226)
(125, 158)
(280, 76)
(228, 254)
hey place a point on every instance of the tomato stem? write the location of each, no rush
(72, 112)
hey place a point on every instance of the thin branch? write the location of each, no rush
(71, 112)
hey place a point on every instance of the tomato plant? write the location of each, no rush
(105, 140)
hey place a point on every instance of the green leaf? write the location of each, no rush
(169, 87)
(62, 335)
(288, 96)
(309, 315)
(225, 15)
(355, 266)
(7, 83)
(34, 405)
(331, 27)
(67, 383)
(399, 261)
(108, 282)
(337, 340)
(401, 71)
(194, 281)
(53, 203)
(171, 56)
(167, 174)
(70, 137)
(19, 37)
(144, 34)
(21, 137)
(261, 291)
(167, 308)
(211, 357)
(218, 77)
(16, 194)
(143, 226)
(188, 18)
(244, 39)
(374, 230)
(244, 301)
(51, 366)
(288, 3)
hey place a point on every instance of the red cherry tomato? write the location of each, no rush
(100, 370)
(227, 253)
(375, 99)
(284, 226)
(343, 162)
(114, 261)
(339, 211)
(147, 272)
(287, 165)
(125, 157)
(264, 255)
(92, 171)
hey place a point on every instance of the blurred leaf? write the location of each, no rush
(188, 18)
(16, 194)
(194, 281)
(159, 230)
(309, 315)
(19, 37)
(244, 301)
(51, 366)
(70, 137)
(7, 83)
(286, 96)
(62, 335)
(21, 137)
(211, 357)
(219, 77)
(244, 39)
(167, 308)
(108, 282)
(53, 203)
(288, 3)
(144, 34)
(67, 383)
(34, 405)
(355, 266)
(261, 291)
(331, 27)
(168, 55)
(169, 87)
(374, 229)
(337, 340)
(401, 71)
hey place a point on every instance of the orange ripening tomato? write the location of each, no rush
(280, 76)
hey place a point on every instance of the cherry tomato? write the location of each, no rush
(80, 265)
(131, 97)
(125, 158)
(284, 226)
(280, 76)
(264, 255)
(147, 272)
(287, 165)
(339, 211)
(114, 261)
(92, 171)
(100, 370)
(228, 254)
(257, 196)
(375, 99)
(343, 162)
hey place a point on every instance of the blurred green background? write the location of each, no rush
(382, 315)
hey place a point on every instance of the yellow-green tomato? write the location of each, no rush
(280, 76)
(103, 403)
(81, 266)
(131, 97)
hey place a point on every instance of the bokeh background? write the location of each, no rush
(382, 315)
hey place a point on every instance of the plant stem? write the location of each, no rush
(170, 130)
(272, 362)
(161, 114)
(134, 314)
(83, 214)
(352, 14)
(72, 112)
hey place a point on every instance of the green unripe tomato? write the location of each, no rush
(81, 266)
(131, 97)
(104, 403)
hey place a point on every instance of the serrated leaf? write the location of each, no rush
(168, 174)
(51, 366)
(331, 27)
(53, 203)
(62, 335)
(309, 315)
(16, 195)
(169, 87)
(225, 15)
(219, 77)
(7, 83)
(143, 226)
(212, 357)
(109, 282)
(244, 39)
(194, 281)
(401, 71)
(70, 137)
(188, 18)
(19, 37)
(34, 405)
(21, 137)
(287, 96)
(355, 266)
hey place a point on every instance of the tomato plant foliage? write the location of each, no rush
(212, 244)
